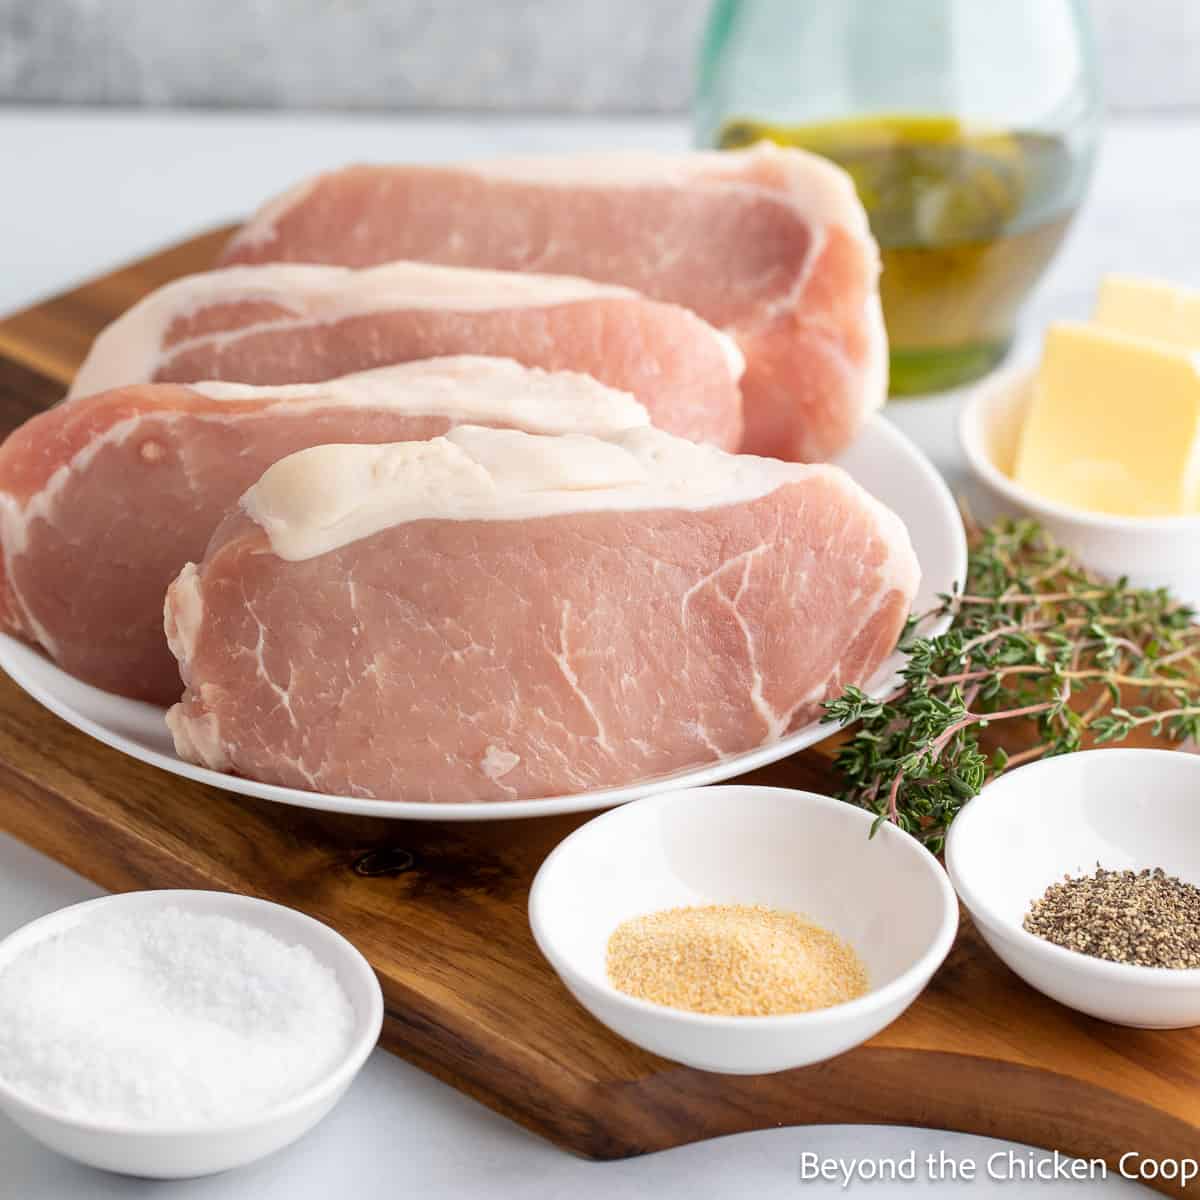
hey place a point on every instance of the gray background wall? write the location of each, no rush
(506, 55)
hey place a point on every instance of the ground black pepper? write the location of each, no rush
(1143, 918)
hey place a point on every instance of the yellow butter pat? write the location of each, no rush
(1149, 308)
(1113, 424)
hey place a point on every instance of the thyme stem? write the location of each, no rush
(1030, 632)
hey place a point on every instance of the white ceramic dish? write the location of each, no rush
(1119, 808)
(887, 896)
(1151, 551)
(882, 459)
(164, 1153)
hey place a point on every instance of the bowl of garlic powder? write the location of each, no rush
(170, 1034)
(742, 929)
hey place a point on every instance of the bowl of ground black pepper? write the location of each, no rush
(1082, 873)
(742, 929)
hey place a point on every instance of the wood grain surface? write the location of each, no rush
(440, 912)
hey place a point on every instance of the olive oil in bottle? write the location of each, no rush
(966, 219)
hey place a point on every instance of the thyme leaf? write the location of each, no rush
(1035, 639)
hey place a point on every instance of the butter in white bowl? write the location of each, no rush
(1113, 424)
(1100, 440)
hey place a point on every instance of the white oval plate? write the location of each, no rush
(882, 459)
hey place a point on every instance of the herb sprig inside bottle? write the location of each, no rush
(1033, 637)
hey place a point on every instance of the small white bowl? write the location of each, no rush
(177, 1153)
(1121, 809)
(887, 896)
(1151, 551)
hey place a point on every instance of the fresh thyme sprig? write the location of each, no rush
(1034, 639)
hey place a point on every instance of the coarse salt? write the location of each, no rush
(169, 1019)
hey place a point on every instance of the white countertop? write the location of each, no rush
(91, 189)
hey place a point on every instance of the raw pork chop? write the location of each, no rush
(103, 499)
(297, 324)
(573, 613)
(769, 244)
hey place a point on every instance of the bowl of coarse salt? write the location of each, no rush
(171, 1034)
(743, 929)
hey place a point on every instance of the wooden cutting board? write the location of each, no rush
(440, 912)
